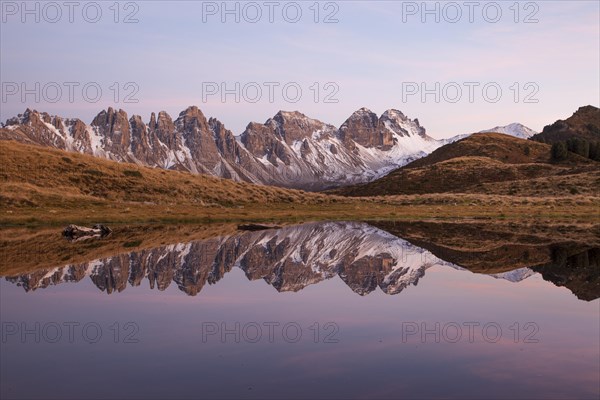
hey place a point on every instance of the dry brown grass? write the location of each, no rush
(42, 186)
(504, 148)
(32, 173)
(488, 164)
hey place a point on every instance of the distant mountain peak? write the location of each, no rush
(394, 114)
(363, 110)
(514, 129)
(290, 114)
(582, 124)
(588, 108)
(191, 112)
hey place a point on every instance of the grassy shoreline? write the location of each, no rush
(31, 249)
(49, 187)
(386, 209)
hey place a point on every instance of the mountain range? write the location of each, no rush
(501, 164)
(289, 150)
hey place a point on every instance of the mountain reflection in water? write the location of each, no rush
(365, 258)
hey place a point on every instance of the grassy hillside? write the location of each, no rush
(487, 163)
(497, 146)
(36, 175)
(43, 186)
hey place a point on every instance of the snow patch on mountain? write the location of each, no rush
(515, 129)
(516, 275)
(289, 149)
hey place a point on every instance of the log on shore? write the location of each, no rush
(76, 233)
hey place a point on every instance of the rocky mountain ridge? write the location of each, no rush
(289, 150)
(584, 124)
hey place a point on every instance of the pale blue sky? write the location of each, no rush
(369, 53)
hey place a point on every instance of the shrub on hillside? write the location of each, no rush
(559, 151)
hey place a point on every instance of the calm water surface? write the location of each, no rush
(325, 310)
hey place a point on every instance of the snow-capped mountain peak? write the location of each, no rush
(515, 129)
(290, 149)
